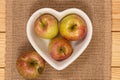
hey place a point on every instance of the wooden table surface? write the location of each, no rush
(115, 66)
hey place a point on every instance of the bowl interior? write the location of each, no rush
(41, 45)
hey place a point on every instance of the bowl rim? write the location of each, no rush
(60, 13)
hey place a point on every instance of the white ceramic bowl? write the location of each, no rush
(41, 45)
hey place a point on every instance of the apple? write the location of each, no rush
(60, 49)
(73, 27)
(30, 65)
(46, 26)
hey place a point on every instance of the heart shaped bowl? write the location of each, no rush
(41, 45)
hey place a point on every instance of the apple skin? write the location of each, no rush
(60, 49)
(46, 26)
(73, 27)
(30, 65)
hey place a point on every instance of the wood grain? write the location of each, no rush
(2, 38)
(116, 15)
(2, 15)
(2, 49)
(116, 25)
(116, 7)
(116, 49)
(2, 73)
(2, 5)
(115, 73)
(115, 1)
(2, 25)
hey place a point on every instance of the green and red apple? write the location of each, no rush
(46, 26)
(60, 49)
(73, 27)
(30, 65)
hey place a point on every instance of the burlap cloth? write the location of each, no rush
(93, 64)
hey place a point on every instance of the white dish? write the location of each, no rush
(41, 45)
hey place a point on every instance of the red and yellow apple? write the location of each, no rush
(30, 65)
(46, 26)
(60, 49)
(73, 27)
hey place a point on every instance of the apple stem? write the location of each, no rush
(40, 69)
(33, 63)
(62, 50)
(73, 27)
(43, 24)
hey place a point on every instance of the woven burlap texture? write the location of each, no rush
(93, 64)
